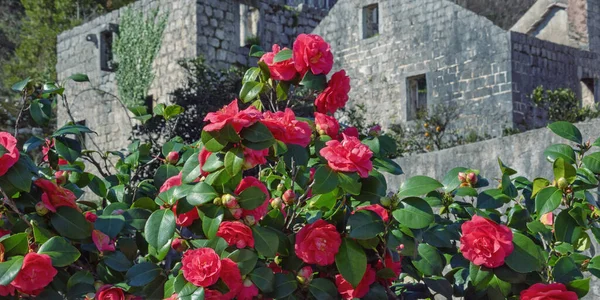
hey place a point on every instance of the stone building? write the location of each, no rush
(485, 56)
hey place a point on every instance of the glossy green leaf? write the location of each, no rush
(15, 244)
(250, 90)
(565, 270)
(266, 241)
(325, 181)
(555, 151)
(210, 224)
(566, 130)
(429, 260)
(234, 161)
(418, 185)
(547, 200)
(142, 274)
(283, 55)
(79, 77)
(60, 251)
(314, 82)
(351, 261)
(251, 198)
(566, 228)
(365, 224)
(415, 213)
(322, 288)
(263, 279)
(160, 228)
(117, 261)
(563, 169)
(526, 256)
(592, 162)
(246, 260)
(71, 223)
(9, 269)
(110, 225)
(284, 285)
(201, 193)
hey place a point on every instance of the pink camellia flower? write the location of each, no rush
(335, 95)
(378, 209)
(231, 114)
(6, 290)
(248, 291)
(110, 292)
(11, 156)
(283, 70)
(259, 212)
(327, 125)
(351, 131)
(209, 295)
(311, 52)
(236, 233)
(35, 274)
(253, 158)
(171, 183)
(202, 158)
(486, 243)
(318, 243)
(232, 277)
(553, 291)
(201, 267)
(102, 241)
(547, 219)
(90, 216)
(184, 219)
(348, 292)
(55, 196)
(349, 155)
(284, 127)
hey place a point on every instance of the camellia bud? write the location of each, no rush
(250, 220)
(385, 201)
(465, 184)
(90, 216)
(547, 219)
(229, 201)
(172, 157)
(462, 177)
(179, 245)
(562, 183)
(276, 203)
(320, 130)
(218, 201)
(280, 187)
(41, 209)
(289, 197)
(61, 177)
(375, 130)
(236, 212)
(472, 178)
(305, 275)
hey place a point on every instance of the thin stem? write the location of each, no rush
(11, 203)
(23, 105)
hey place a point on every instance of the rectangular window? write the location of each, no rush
(249, 22)
(370, 21)
(416, 95)
(107, 59)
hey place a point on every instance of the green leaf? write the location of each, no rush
(594, 266)
(60, 251)
(418, 185)
(325, 181)
(416, 213)
(16, 244)
(191, 169)
(79, 77)
(215, 141)
(110, 225)
(579, 286)
(246, 260)
(9, 269)
(282, 90)
(567, 131)
(322, 288)
(160, 228)
(592, 162)
(117, 261)
(191, 292)
(565, 270)
(263, 279)
(429, 261)
(68, 148)
(283, 55)
(201, 193)
(142, 274)
(256, 51)
(40, 111)
(19, 176)
(387, 165)
(351, 261)
(72, 129)
(234, 160)
(479, 276)
(365, 224)
(451, 181)
(250, 90)
(538, 185)
(210, 224)
(498, 287)
(252, 198)
(547, 200)
(349, 182)
(439, 285)
(266, 241)
(163, 173)
(285, 285)
(508, 188)
(504, 169)
(71, 223)
(566, 228)
(172, 111)
(41, 234)
(560, 150)
(20, 86)
(136, 218)
(257, 133)
(314, 82)
(492, 199)
(564, 170)
(526, 256)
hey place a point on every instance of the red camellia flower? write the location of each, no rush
(6, 290)
(184, 219)
(231, 275)
(349, 155)
(259, 212)
(348, 292)
(395, 266)
(171, 183)
(102, 241)
(209, 295)
(109, 292)
(486, 243)
(335, 95)
(249, 291)
(55, 196)
(311, 52)
(553, 291)
(283, 70)
(378, 209)
(10, 154)
(318, 243)
(231, 114)
(253, 158)
(284, 127)
(351, 131)
(36, 273)
(201, 267)
(327, 125)
(236, 233)
(202, 158)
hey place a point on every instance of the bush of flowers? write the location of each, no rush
(267, 205)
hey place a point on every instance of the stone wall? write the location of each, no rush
(465, 58)
(210, 28)
(536, 62)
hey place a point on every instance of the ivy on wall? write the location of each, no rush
(136, 47)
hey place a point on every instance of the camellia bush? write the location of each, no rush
(267, 205)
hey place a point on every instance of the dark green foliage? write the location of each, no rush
(562, 105)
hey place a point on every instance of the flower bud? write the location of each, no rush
(462, 177)
(289, 197)
(61, 177)
(562, 183)
(276, 203)
(179, 245)
(248, 282)
(218, 201)
(41, 209)
(229, 201)
(250, 220)
(280, 187)
(465, 184)
(547, 219)
(385, 202)
(172, 157)
(375, 130)
(305, 275)
(472, 178)
(90, 216)
(236, 212)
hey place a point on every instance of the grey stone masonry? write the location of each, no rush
(210, 28)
